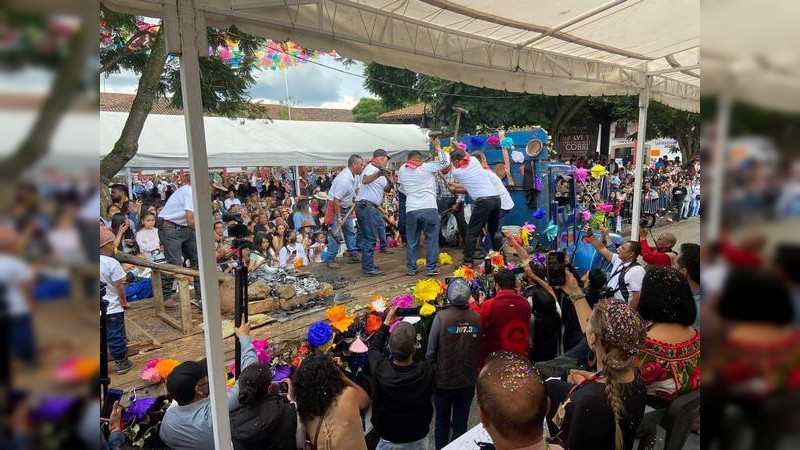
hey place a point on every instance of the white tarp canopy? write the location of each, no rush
(242, 142)
(570, 47)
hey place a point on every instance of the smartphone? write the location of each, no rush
(556, 265)
(108, 404)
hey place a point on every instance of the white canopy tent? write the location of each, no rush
(573, 47)
(242, 142)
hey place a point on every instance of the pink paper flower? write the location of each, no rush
(461, 146)
(586, 215)
(493, 141)
(606, 207)
(403, 301)
(530, 227)
(581, 174)
(151, 375)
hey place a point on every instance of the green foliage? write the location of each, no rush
(368, 109)
(31, 40)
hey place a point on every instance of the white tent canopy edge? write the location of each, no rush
(246, 143)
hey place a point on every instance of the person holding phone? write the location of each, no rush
(292, 253)
(626, 276)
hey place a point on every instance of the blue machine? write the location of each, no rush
(545, 174)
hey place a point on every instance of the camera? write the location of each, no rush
(648, 220)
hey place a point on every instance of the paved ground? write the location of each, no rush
(684, 231)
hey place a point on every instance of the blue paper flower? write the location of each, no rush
(551, 232)
(476, 141)
(319, 334)
(539, 214)
(507, 142)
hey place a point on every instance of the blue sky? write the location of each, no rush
(309, 85)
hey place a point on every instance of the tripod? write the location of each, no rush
(104, 379)
(240, 299)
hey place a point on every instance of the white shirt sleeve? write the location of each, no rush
(187, 201)
(116, 272)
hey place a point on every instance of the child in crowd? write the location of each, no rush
(113, 276)
(317, 249)
(147, 238)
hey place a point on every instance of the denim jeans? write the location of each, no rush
(452, 407)
(381, 234)
(695, 208)
(401, 215)
(686, 209)
(427, 221)
(349, 231)
(486, 212)
(487, 241)
(23, 342)
(369, 219)
(416, 445)
(117, 343)
(179, 243)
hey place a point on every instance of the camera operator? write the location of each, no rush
(660, 255)
(625, 281)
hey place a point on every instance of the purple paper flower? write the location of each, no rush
(539, 184)
(282, 372)
(540, 258)
(539, 214)
(476, 141)
(52, 408)
(138, 409)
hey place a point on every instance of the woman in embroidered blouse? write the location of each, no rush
(670, 356)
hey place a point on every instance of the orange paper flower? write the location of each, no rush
(337, 316)
(373, 323)
(498, 261)
(165, 366)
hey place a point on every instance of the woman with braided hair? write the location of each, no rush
(602, 409)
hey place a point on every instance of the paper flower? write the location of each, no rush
(497, 259)
(598, 171)
(539, 184)
(586, 215)
(281, 373)
(165, 366)
(358, 346)
(77, 370)
(539, 213)
(421, 262)
(445, 259)
(378, 303)
(427, 309)
(507, 142)
(446, 149)
(138, 409)
(511, 266)
(525, 236)
(531, 228)
(151, 375)
(426, 290)
(493, 141)
(403, 301)
(229, 384)
(337, 316)
(551, 231)
(581, 174)
(465, 272)
(517, 157)
(374, 322)
(320, 334)
(461, 146)
(606, 207)
(476, 141)
(262, 349)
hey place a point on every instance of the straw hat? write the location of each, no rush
(321, 195)
(106, 236)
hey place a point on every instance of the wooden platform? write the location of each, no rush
(351, 288)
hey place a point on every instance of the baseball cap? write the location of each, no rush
(458, 292)
(402, 339)
(380, 152)
(183, 380)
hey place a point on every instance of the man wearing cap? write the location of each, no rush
(418, 179)
(401, 400)
(454, 347)
(187, 424)
(176, 232)
(369, 199)
(340, 198)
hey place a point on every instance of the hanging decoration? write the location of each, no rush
(507, 143)
(539, 214)
(517, 157)
(476, 141)
(551, 231)
(493, 141)
(273, 56)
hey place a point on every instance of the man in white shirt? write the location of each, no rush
(418, 178)
(369, 198)
(626, 273)
(231, 200)
(506, 203)
(176, 232)
(340, 198)
(473, 179)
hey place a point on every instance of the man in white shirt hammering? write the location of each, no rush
(340, 197)
(374, 183)
(176, 232)
(418, 179)
(472, 178)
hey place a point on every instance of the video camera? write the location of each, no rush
(237, 230)
(648, 220)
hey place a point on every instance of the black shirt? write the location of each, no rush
(590, 416)
(678, 193)
(401, 397)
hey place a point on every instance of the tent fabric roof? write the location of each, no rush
(242, 142)
(571, 47)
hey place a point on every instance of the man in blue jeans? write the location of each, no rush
(374, 183)
(340, 199)
(418, 179)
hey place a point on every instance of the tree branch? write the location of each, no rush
(123, 52)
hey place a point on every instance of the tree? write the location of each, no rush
(368, 110)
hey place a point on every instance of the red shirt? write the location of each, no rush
(738, 257)
(653, 256)
(506, 321)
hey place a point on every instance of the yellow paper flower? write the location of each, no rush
(525, 235)
(421, 262)
(445, 259)
(598, 171)
(446, 149)
(426, 290)
(231, 382)
(337, 316)
(165, 367)
(298, 263)
(465, 273)
(427, 309)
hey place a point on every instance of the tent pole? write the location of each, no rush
(644, 100)
(720, 160)
(297, 180)
(130, 182)
(188, 21)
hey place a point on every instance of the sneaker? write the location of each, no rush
(123, 366)
(411, 274)
(333, 265)
(432, 273)
(374, 273)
